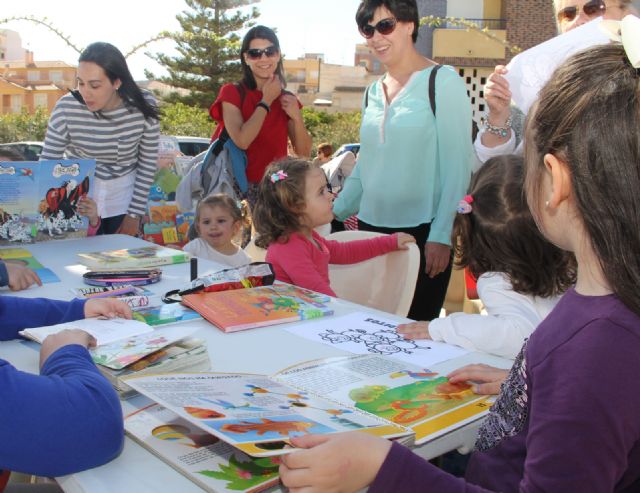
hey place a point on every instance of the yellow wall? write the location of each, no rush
(467, 44)
(492, 9)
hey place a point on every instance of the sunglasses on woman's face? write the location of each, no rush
(256, 53)
(590, 9)
(385, 26)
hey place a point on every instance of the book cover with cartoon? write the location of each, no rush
(21, 256)
(203, 458)
(39, 200)
(241, 309)
(254, 413)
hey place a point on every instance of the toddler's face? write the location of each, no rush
(318, 199)
(216, 226)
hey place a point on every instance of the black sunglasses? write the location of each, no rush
(590, 9)
(385, 26)
(256, 53)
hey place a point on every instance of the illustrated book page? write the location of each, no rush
(253, 412)
(209, 462)
(419, 398)
(366, 333)
(23, 257)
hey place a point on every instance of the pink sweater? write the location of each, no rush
(302, 263)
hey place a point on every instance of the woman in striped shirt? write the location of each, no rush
(111, 120)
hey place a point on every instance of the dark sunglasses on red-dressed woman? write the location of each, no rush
(385, 26)
(591, 9)
(256, 53)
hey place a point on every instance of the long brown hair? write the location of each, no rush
(588, 115)
(500, 235)
(278, 210)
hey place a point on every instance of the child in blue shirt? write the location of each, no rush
(68, 418)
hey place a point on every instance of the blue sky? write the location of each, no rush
(303, 26)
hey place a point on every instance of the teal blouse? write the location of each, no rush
(412, 168)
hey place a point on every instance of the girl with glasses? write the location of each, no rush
(257, 113)
(414, 164)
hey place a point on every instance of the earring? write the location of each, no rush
(546, 204)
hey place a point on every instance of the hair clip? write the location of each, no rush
(239, 204)
(627, 32)
(278, 176)
(464, 206)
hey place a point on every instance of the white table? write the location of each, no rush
(265, 350)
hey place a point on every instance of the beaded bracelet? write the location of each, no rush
(495, 130)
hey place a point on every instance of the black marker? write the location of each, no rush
(194, 268)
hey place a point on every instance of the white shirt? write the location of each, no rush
(485, 153)
(511, 318)
(202, 249)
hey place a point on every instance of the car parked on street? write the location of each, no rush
(31, 150)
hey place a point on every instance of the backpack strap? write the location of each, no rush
(432, 88)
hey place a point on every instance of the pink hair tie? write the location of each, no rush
(464, 206)
(278, 176)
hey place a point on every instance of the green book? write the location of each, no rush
(133, 258)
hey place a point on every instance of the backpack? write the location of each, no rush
(221, 169)
(432, 99)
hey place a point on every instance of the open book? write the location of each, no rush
(241, 309)
(372, 394)
(210, 463)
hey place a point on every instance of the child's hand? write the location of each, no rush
(21, 277)
(107, 307)
(342, 462)
(414, 330)
(486, 379)
(64, 338)
(403, 241)
(87, 207)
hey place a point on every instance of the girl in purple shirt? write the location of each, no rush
(567, 416)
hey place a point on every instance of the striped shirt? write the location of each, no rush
(121, 141)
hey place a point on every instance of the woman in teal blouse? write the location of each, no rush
(413, 167)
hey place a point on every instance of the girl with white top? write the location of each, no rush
(219, 218)
(520, 274)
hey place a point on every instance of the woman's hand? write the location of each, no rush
(130, 226)
(64, 338)
(414, 330)
(340, 463)
(498, 97)
(403, 241)
(438, 256)
(107, 307)
(485, 379)
(271, 89)
(290, 106)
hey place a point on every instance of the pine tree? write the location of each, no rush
(208, 49)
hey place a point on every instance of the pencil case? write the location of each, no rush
(139, 277)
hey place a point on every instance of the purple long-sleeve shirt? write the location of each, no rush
(568, 416)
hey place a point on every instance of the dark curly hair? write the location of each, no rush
(278, 210)
(500, 234)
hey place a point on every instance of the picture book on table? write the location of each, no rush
(133, 258)
(241, 309)
(21, 256)
(421, 399)
(255, 413)
(39, 200)
(203, 458)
